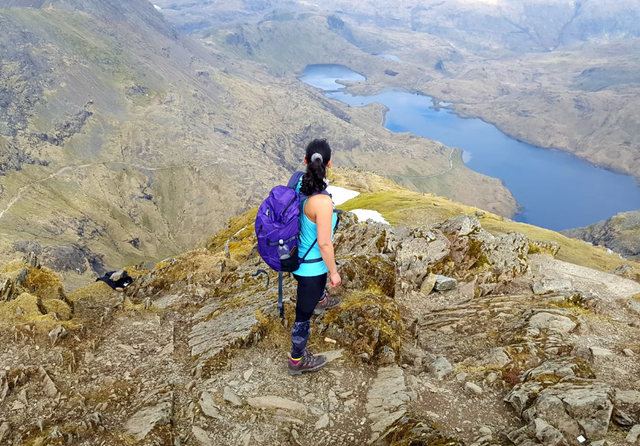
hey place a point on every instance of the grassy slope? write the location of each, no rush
(402, 206)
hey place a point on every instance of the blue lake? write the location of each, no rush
(554, 189)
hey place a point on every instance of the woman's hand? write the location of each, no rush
(335, 279)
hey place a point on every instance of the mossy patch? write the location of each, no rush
(195, 266)
(366, 322)
(372, 273)
(60, 308)
(22, 308)
(96, 292)
(238, 228)
(41, 281)
(540, 248)
(415, 430)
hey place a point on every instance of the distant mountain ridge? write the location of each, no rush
(514, 25)
(621, 233)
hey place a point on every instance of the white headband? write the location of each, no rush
(316, 156)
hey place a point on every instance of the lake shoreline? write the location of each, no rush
(539, 178)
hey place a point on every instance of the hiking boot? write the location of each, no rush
(327, 303)
(308, 363)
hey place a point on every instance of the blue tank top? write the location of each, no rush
(308, 235)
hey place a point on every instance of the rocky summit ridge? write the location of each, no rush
(447, 335)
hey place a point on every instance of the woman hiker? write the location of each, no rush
(317, 222)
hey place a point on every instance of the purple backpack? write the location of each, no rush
(279, 219)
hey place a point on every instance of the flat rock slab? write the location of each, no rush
(201, 435)
(323, 422)
(208, 406)
(552, 322)
(147, 418)
(276, 402)
(387, 398)
(546, 286)
(167, 301)
(229, 396)
(600, 352)
(634, 305)
(4, 428)
(634, 433)
(237, 327)
(332, 355)
(608, 286)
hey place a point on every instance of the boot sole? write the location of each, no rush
(300, 372)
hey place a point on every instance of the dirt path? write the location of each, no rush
(608, 286)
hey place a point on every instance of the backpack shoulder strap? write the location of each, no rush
(295, 178)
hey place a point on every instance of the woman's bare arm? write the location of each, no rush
(323, 213)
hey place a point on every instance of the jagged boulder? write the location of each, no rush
(459, 248)
(421, 252)
(560, 400)
(628, 402)
(369, 239)
(473, 247)
(573, 409)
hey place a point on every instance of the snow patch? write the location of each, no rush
(157, 7)
(341, 195)
(366, 214)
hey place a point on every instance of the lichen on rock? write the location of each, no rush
(366, 322)
(415, 430)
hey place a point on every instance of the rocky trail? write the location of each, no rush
(446, 335)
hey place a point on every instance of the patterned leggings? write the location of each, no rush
(311, 290)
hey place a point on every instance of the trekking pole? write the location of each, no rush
(280, 304)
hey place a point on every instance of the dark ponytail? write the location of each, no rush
(313, 180)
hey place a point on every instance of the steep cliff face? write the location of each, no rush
(620, 233)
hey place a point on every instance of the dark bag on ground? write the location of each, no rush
(116, 279)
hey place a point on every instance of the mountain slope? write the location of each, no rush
(512, 25)
(123, 142)
(620, 233)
